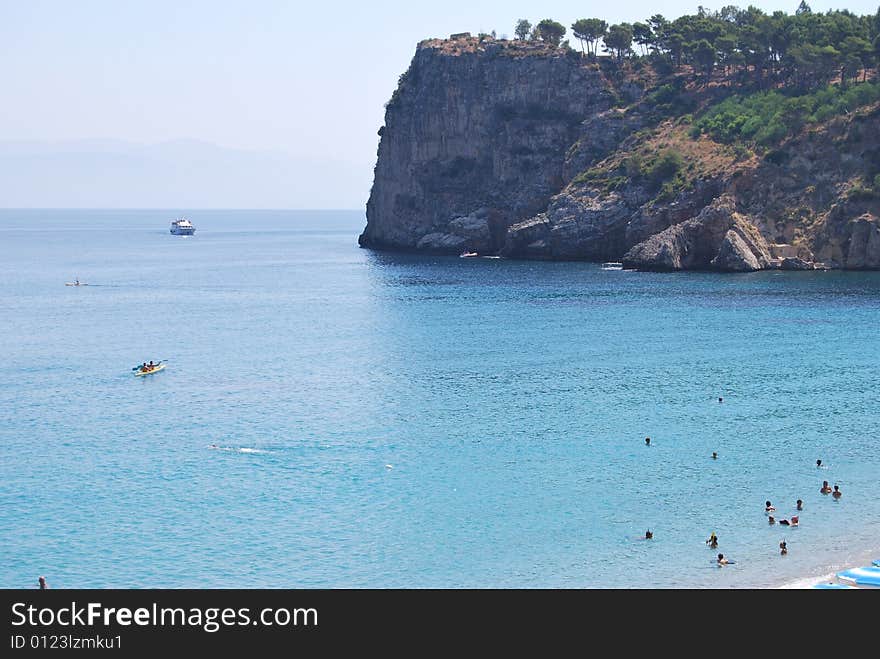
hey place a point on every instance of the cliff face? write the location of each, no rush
(475, 139)
(522, 150)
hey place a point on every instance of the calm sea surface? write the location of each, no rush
(409, 421)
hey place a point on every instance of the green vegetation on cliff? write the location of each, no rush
(762, 76)
(740, 77)
(766, 118)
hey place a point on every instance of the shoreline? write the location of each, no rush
(828, 573)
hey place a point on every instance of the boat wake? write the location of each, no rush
(236, 449)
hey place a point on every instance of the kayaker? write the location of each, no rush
(151, 366)
(144, 367)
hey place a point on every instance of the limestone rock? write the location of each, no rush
(735, 255)
(864, 243)
(718, 238)
(795, 263)
(477, 125)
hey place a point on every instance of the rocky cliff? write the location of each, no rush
(530, 151)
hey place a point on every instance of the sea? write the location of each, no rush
(334, 417)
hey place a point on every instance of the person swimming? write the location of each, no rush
(771, 520)
(818, 463)
(720, 399)
(721, 560)
(647, 441)
(794, 520)
(768, 507)
(837, 493)
(826, 488)
(714, 455)
(648, 534)
(784, 522)
(713, 540)
(43, 584)
(783, 548)
(799, 505)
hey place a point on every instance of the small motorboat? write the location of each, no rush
(612, 265)
(75, 282)
(467, 255)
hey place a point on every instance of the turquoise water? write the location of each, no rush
(511, 400)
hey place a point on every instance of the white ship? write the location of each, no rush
(182, 227)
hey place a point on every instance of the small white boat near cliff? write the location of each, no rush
(612, 265)
(182, 227)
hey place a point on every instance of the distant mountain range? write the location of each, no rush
(103, 173)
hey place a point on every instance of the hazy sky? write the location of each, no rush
(306, 78)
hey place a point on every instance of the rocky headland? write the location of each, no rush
(531, 151)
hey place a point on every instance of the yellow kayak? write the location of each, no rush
(155, 369)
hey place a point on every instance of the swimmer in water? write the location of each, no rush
(720, 399)
(818, 463)
(826, 488)
(837, 493)
(647, 441)
(648, 534)
(783, 548)
(714, 455)
(784, 522)
(771, 520)
(794, 520)
(721, 560)
(43, 584)
(799, 504)
(768, 507)
(713, 540)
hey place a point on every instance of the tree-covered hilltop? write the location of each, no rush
(738, 75)
(744, 47)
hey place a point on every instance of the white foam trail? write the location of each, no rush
(236, 450)
(809, 582)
